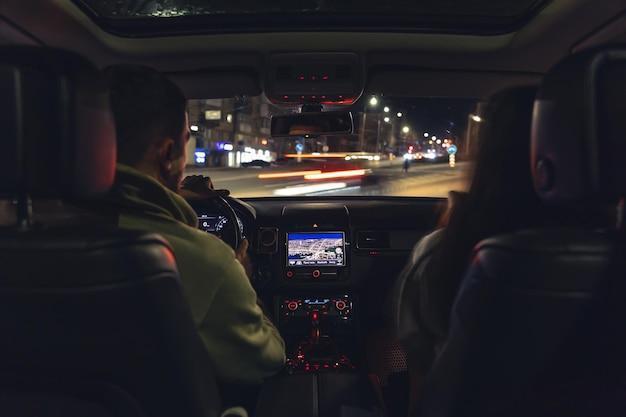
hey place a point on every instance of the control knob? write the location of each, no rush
(340, 305)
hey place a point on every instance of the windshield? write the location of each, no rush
(400, 147)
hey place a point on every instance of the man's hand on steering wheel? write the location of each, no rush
(200, 187)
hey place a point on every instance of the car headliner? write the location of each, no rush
(406, 64)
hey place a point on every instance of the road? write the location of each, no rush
(385, 178)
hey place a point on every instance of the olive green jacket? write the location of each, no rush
(244, 345)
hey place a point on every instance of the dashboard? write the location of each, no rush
(326, 267)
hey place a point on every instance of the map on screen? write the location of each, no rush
(315, 249)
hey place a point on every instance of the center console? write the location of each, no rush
(315, 310)
(319, 332)
(317, 313)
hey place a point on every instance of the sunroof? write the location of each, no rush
(152, 17)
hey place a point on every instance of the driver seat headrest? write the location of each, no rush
(578, 137)
(58, 129)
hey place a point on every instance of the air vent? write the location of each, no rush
(372, 240)
(268, 240)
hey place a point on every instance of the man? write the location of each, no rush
(152, 131)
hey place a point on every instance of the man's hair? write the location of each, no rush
(147, 108)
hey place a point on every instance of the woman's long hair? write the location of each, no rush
(501, 199)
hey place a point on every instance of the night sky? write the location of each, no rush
(433, 115)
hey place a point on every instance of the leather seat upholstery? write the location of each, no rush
(58, 130)
(539, 325)
(93, 319)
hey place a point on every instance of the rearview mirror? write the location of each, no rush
(312, 124)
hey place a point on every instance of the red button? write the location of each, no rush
(315, 315)
(316, 273)
(341, 305)
(292, 305)
(289, 274)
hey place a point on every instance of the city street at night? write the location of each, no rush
(380, 178)
(399, 147)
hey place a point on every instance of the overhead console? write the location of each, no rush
(329, 78)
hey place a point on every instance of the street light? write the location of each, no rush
(386, 109)
(476, 118)
(438, 141)
(373, 102)
(399, 114)
(406, 129)
(194, 128)
(386, 119)
(434, 138)
(426, 134)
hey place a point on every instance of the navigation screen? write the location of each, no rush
(315, 249)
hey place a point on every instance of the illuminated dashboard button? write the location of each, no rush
(289, 274)
(292, 305)
(340, 305)
(316, 273)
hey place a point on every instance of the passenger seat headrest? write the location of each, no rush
(578, 148)
(58, 132)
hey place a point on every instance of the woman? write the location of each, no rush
(501, 199)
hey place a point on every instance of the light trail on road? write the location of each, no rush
(288, 174)
(336, 174)
(385, 179)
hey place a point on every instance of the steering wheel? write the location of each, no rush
(231, 233)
